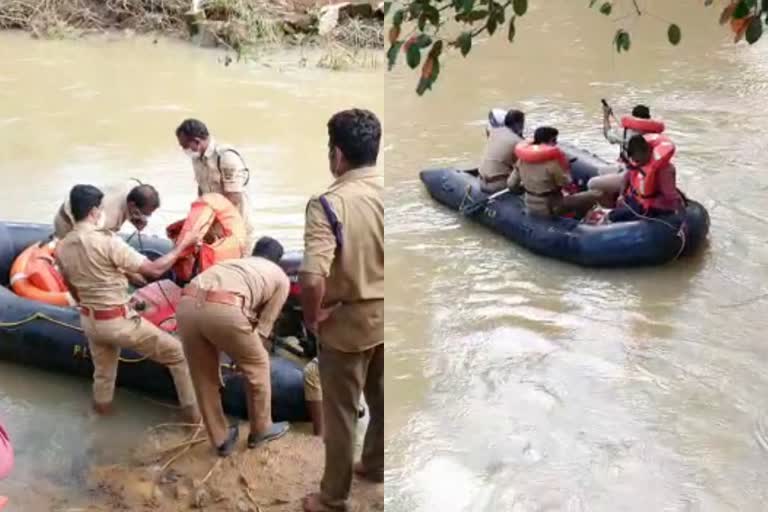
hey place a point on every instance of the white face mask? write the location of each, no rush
(191, 153)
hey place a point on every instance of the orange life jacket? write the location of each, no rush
(209, 210)
(539, 153)
(643, 182)
(642, 125)
(34, 275)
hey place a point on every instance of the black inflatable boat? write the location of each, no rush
(635, 243)
(50, 337)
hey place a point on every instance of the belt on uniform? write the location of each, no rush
(215, 296)
(555, 192)
(105, 314)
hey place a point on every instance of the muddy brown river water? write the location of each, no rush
(517, 383)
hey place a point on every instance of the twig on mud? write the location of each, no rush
(182, 451)
(170, 425)
(210, 472)
(253, 500)
(191, 442)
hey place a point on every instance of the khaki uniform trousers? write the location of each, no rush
(608, 184)
(555, 205)
(313, 391)
(207, 329)
(107, 337)
(496, 185)
(343, 376)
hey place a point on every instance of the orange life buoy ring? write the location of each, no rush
(207, 210)
(34, 276)
(539, 153)
(642, 125)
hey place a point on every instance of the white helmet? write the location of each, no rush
(496, 117)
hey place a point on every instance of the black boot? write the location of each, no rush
(228, 446)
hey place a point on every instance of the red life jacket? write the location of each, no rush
(643, 182)
(207, 210)
(539, 153)
(157, 303)
(641, 125)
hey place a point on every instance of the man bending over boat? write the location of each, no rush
(650, 184)
(611, 179)
(543, 171)
(131, 201)
(499, 158)
(232, 307)
(94, 263)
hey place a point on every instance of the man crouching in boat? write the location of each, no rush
(232, 307)
(132, 201)
(650, 183)
(94, 262)
(499, 158)
(544, 172)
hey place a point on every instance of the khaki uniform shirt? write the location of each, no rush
(231, 179)
(544, 178)
(95, 262)
(115, 205)
(499, 158)
(354, 272)
(263, 285)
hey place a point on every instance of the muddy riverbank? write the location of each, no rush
(242, 26)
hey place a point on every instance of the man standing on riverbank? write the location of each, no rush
(218, 168)
(94, 263)
(342, 279)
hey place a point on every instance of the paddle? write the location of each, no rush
(609, 110)
(473, 208)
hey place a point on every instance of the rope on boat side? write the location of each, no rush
(42, 316)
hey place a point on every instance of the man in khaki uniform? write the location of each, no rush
(543, 183)
(94, 263)
(218, 168)
(499, 159)
(313, 396)
(232, 307)
(130, 201)
(342, 279)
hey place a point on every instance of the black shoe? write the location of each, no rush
(277, 431)
(228, 446)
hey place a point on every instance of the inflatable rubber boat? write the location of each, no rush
(625, 244)
(49, 337)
